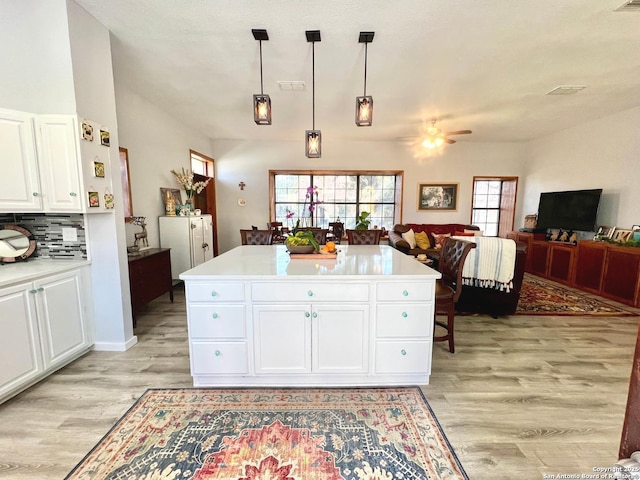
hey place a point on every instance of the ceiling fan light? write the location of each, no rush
(313, 143)
(262, 109)
(364, 111)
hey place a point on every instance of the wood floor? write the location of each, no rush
(520, 398)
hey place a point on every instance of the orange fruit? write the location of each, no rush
(331, 247)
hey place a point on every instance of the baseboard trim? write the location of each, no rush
(115, 347)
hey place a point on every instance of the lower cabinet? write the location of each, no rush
(43, 327)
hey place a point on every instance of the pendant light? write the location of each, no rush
(261, 102)
(313, 137)
(364, 104)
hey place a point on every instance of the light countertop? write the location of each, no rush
(25, 271)
(353, 261)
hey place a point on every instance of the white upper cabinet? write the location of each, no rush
(59, 163)
(19, 183)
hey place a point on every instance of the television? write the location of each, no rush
(571, 210)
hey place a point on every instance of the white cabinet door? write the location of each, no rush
(340, 338)
(19, 183)
(20, 354)
(58, 160)
(282, 338)
(61, 317)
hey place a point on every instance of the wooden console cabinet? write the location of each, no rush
(149, 277)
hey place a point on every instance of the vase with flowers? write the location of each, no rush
(191, 188)
(309, 207)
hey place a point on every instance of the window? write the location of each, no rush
(494, 202)
(336, 196)
(201, 165)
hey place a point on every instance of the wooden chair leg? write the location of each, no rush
(450, 330)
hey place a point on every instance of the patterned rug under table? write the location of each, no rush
(275, 434)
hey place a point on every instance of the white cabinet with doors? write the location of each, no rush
(45, 324)
(190, 239)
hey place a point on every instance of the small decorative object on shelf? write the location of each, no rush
(141, 222)
(169, 205)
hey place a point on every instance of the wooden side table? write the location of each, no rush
(149, 277)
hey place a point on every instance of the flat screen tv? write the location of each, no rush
(571, 210)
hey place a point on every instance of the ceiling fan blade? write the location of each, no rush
(459, 132)
(448, 140)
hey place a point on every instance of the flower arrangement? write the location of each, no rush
(185, 179)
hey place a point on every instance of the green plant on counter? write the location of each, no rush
(629, 243)
(303, 237)
(363, 222)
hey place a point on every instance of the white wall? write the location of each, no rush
(250, 163)
(34, 47)
(157, 144)
(600, 154)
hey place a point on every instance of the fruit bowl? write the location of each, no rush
(299, 248)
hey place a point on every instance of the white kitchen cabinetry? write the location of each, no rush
(44, 325)
(41, 163)
(190, 240)
(258, 317)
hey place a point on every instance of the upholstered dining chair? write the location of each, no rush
(364, 237)
(336, 229)
(320, 234)
(278, 232)
(256, 237)
(449, 287)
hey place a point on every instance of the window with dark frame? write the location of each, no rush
(493, 204)
(336, 196)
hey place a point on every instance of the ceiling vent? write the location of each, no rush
(566, 90)
(629, 6)
(297, 86)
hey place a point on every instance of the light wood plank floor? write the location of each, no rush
(523, 396)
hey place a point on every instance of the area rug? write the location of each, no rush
(275, 434)
(539, 297)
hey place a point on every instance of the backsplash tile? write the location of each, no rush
(47, 231)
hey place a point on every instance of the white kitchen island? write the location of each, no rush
(258, 317)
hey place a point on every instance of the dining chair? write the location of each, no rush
(320, 234)
(449, 287)
(278, 232)
(364, 237)
(256, 237)
(336, 230)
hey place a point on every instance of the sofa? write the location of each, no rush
(472, 299)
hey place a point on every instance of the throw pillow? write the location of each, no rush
(422, 240)
(440, 238)
(477, 233)
(464, 234)
(410, 238)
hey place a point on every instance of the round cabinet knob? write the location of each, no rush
(215, 315)
(33, 291)
(404, 315)
(214, 294)
(403, 351)
(36, 194)
(310, 293)
(218, 353)
(405, 293)
(306, 314)
(315, 315)
(73, 194)
(41, 289)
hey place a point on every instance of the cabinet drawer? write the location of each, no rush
(405, 291)
(403, 357)
(309, 292)
(215, 292)
(217, 321)
(408, 320)
(218, 357)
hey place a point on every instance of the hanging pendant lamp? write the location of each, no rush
(261, 102)
(364, 104)
(313, 137)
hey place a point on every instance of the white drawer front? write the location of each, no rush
(215, 292)
(403, 357)
(219, 357)
(405, 291)
(309, 292)
(217, 321)
(408, 320)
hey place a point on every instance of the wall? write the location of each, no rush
(250, 163)
(598, 154)
(157, 144)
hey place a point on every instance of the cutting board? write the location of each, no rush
(313, 256)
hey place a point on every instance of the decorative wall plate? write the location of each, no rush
(16, 243)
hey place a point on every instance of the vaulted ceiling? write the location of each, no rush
(483, 65)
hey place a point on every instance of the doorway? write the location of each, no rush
(203, 169)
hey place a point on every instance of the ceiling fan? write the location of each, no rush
(434, 137)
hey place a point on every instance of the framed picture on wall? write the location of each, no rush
(438, 196)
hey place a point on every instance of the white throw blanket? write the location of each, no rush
(491, 264)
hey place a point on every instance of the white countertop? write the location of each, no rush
(33, 268)
(273, 261)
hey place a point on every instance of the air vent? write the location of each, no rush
(629, 6)
(566, 90)
(298, 86)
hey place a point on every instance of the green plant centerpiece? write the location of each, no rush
(302, 242)
(363, 222)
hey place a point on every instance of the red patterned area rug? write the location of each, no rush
(539, 297)
(275, 434)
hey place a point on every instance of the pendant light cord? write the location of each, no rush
(313, 87)
(261, 88)
(365, 68)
